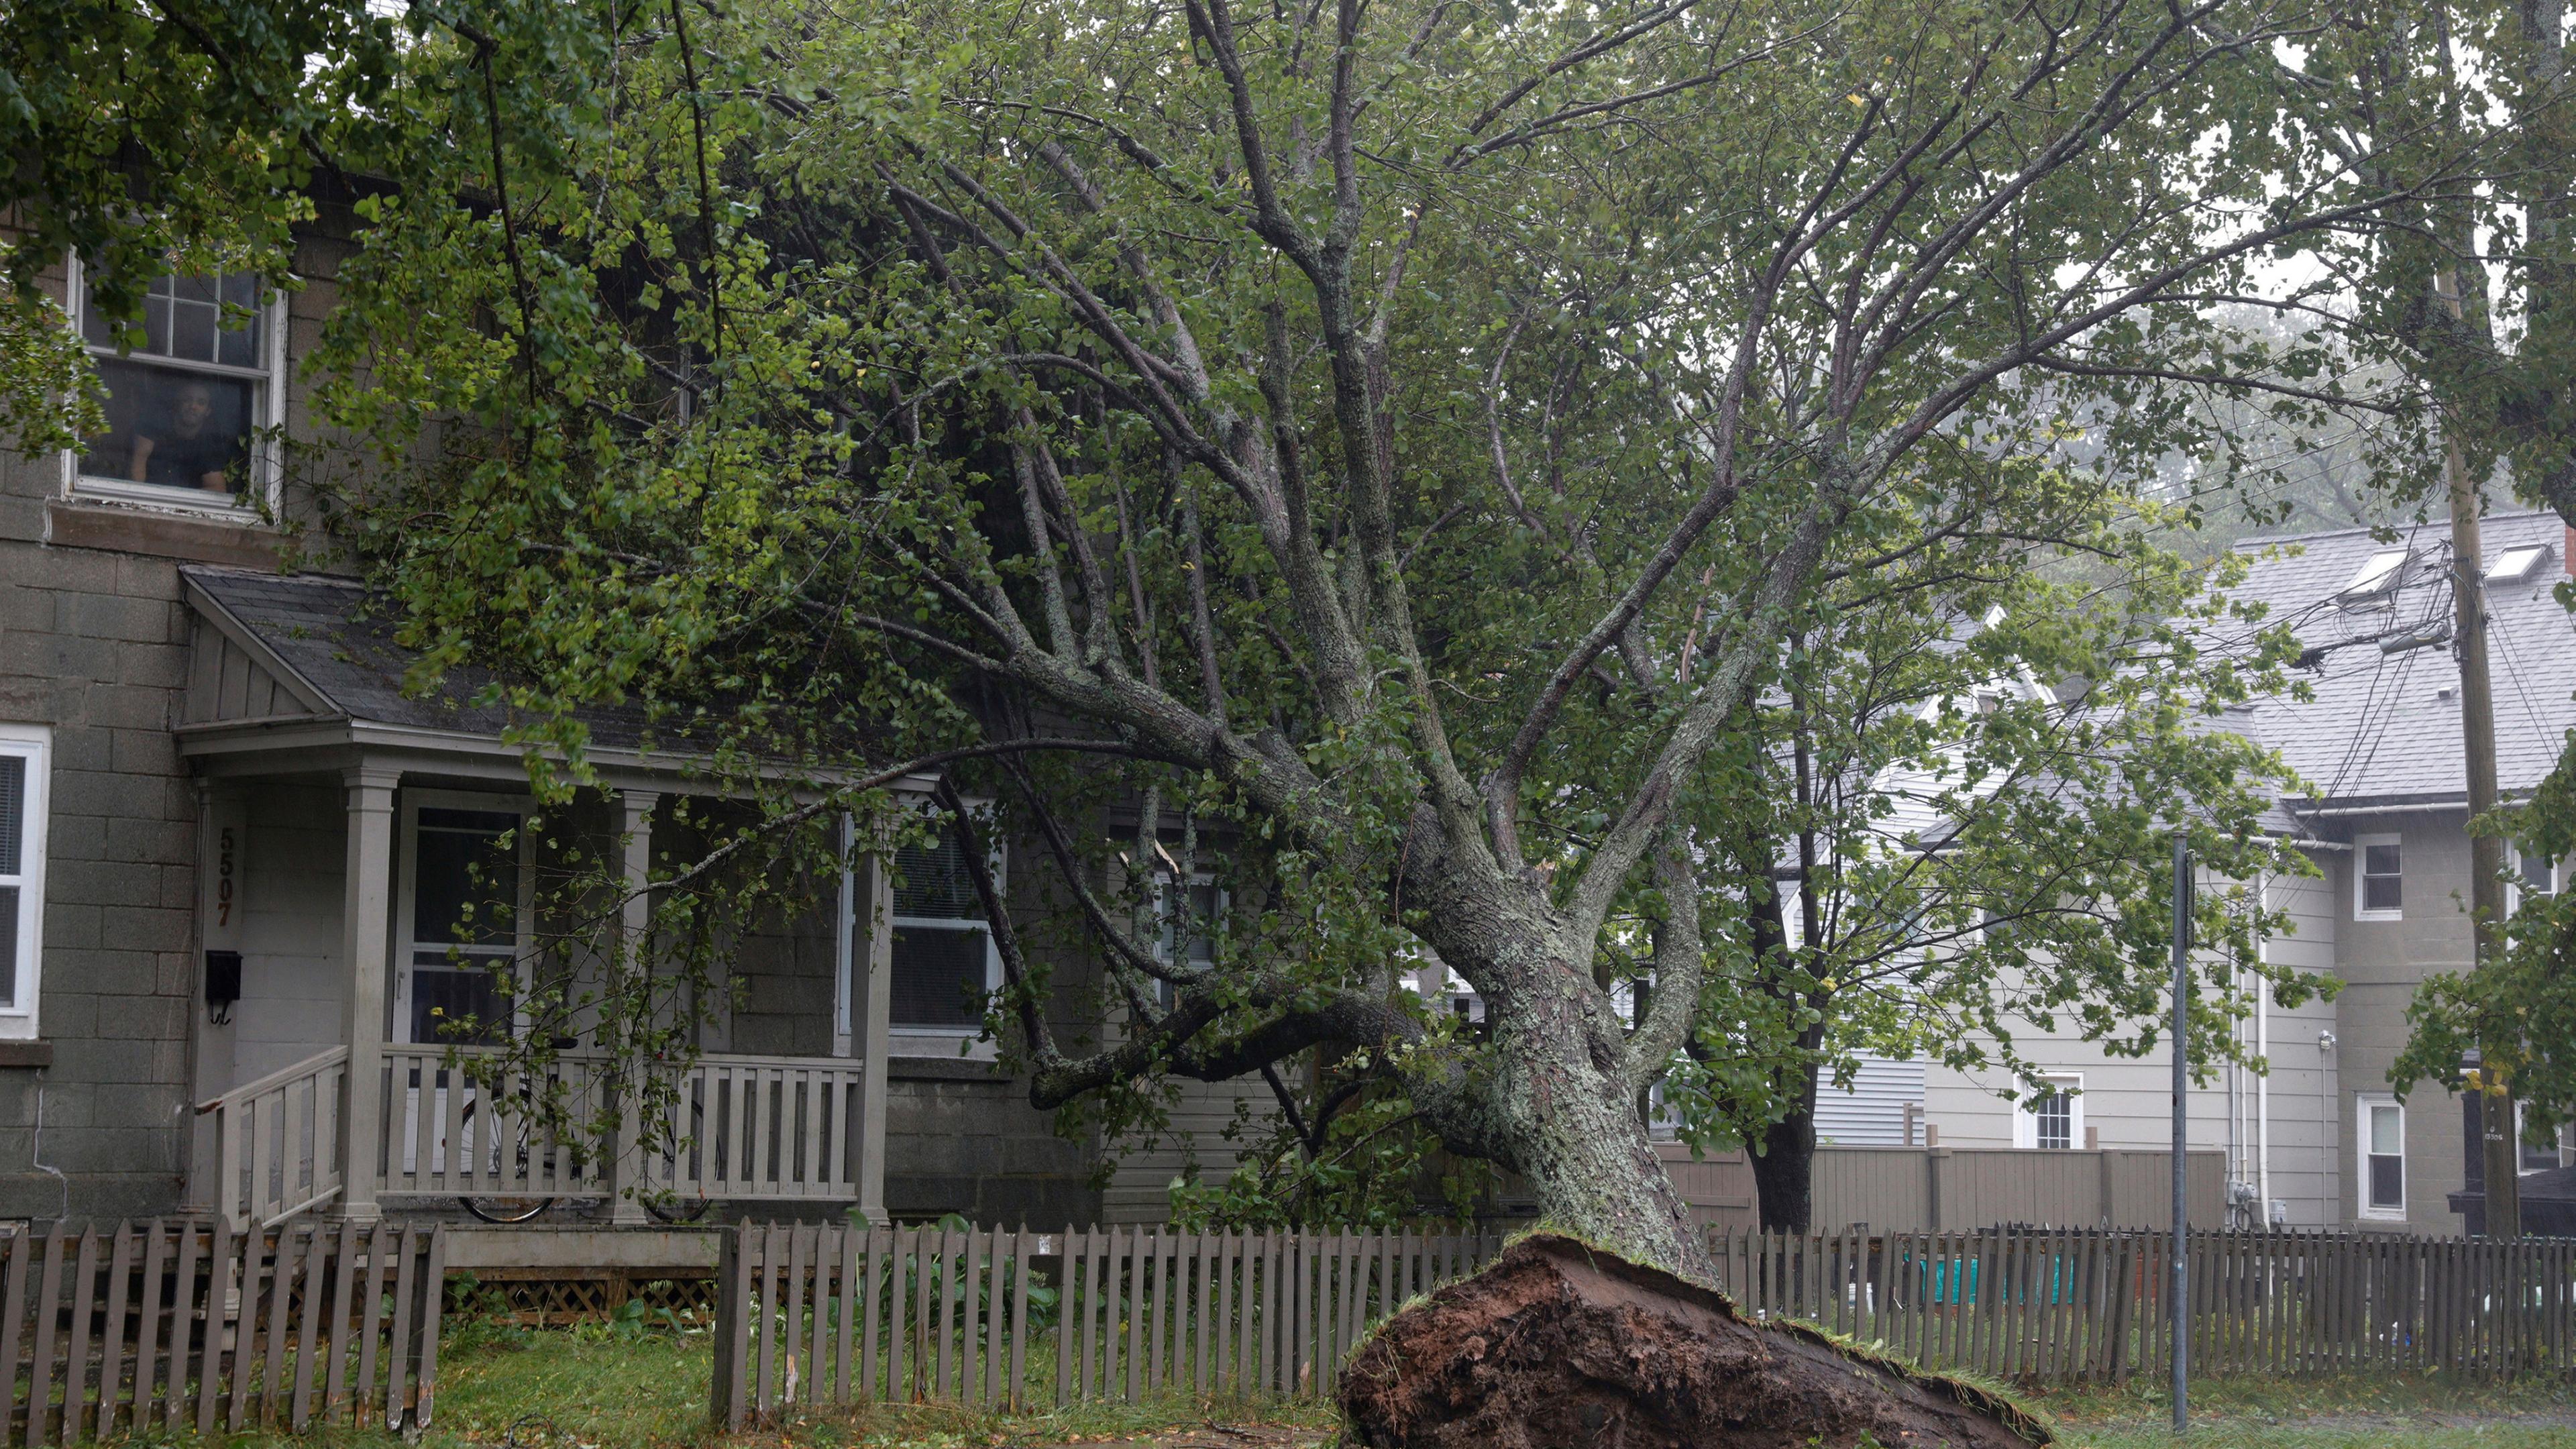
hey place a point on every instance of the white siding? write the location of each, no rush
(1872, 1112)
(2285, 1122)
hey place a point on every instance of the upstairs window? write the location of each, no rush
(2379, 878)
(2534, 876)
(186, 403)
(944, 960)
(2533, 1157)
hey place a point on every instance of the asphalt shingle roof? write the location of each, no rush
(2385, 727)
(339, 638)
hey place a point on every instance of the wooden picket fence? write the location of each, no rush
(179, 1326)
(811, 1315)
(2037, 1305)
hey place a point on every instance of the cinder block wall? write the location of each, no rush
(93, 644)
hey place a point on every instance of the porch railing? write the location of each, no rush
(749, 1128)
(277, 1142)
(452, 1132)
(743, 1128)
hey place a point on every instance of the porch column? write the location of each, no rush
(366, 923)
(626, 1173)
(871, 1006)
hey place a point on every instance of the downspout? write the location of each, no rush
(2263, 1080)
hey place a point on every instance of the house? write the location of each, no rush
(2323, 1138)
(232, 853)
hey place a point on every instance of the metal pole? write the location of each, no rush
(2181, 1121)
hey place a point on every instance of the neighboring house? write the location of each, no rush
(2323, 1138)
(232, 852)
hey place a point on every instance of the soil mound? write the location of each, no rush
(1557, 1345)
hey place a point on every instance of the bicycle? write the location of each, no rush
(510, 1210)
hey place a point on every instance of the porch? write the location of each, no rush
(344, 824)
(746, 1130)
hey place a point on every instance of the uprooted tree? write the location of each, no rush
(1399, 440)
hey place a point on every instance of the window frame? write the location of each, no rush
(965, 1041)
(408, 946)
(2026, 1121)
(35, 745)
(2364, 1104)
(261, 491)
(2361, 877)
(2557, 1148)
(1165, 946)
(2515, 876)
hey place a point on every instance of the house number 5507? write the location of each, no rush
(224, 876)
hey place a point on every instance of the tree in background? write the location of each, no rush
(1957, 801)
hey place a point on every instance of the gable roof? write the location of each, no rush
(307, 646)
(2384, 725)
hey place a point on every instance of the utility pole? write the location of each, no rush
(2486, 852)
(2181, 1125)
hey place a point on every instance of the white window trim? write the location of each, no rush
(2513, 877)
(969, 1043)
(35, 745)
(267, 467)
(2363, 1102)
(2521, 1116)
(2360, 861)
(2026, 1122)
(1163, 898)
(407, 887)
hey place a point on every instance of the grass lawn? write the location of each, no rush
(2420, 1412)
(590, 1390)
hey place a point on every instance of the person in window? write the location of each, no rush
(192, 451)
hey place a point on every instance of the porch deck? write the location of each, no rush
(747, 1130)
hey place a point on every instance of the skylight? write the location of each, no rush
(2515, 564)
(2377, 576)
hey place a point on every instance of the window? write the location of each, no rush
(2051, 1120)
(2517, 563)
(2378, 574)
(2530, 1156)
(464, 910)
(186, 404)
(1196, 912)
(944, 961)
(24, 773)
(2383, 1158)
(2534, 875)
(2379, 878)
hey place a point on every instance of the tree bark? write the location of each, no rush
(1784, 1171)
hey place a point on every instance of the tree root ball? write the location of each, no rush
(1558, 1345)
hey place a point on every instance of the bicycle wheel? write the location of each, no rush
(672, 1208)
(678, 1210)
(501, 1209)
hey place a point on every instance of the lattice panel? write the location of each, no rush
(559, 1302)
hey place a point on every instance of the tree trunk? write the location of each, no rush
(1570, 1124)
(1784, 1171)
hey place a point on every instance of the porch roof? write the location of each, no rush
(303, 672)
